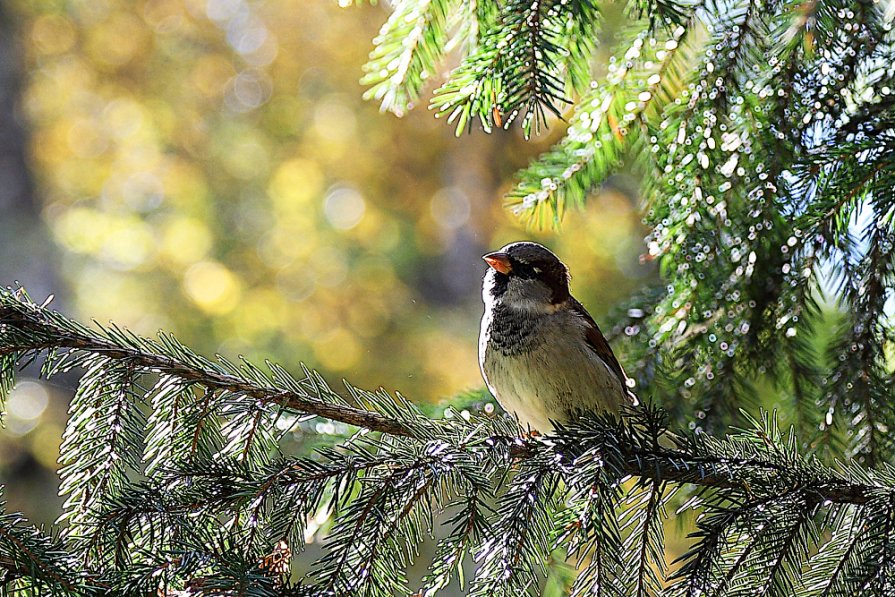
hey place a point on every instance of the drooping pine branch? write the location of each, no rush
(850, 177)
(36, 561)
(610, 121)
(520, 66)
(514, 555)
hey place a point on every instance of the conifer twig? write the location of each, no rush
(35, 321)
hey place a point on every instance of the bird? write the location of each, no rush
(542, 355)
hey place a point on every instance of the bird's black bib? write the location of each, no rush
(511, 332)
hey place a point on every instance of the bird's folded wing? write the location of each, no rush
(597, 341)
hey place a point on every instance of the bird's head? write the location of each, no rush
(526, 276)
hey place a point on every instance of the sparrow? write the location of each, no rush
(541, 353)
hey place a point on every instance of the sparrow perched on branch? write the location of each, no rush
(541, 353)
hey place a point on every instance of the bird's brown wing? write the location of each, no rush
(598, 343)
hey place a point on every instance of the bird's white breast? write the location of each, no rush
(554, 374)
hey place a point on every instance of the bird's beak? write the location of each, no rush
(499, 261)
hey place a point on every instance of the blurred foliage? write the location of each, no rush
(211, 169)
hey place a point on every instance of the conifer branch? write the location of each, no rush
(51, 331)
(407, 52)
(27, 327)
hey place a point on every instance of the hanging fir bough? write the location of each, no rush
(176, 485)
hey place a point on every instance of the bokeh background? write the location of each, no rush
(209, 167)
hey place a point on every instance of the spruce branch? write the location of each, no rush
(515, 71)
(33, 558)
(594, 540)
(25, 327)
(608, 123)
(646, 540)
(517, 551)
(407, 52)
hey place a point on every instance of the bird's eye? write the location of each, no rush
(526, 271)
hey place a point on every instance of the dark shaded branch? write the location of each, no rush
(14, 569)
(681, 467)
